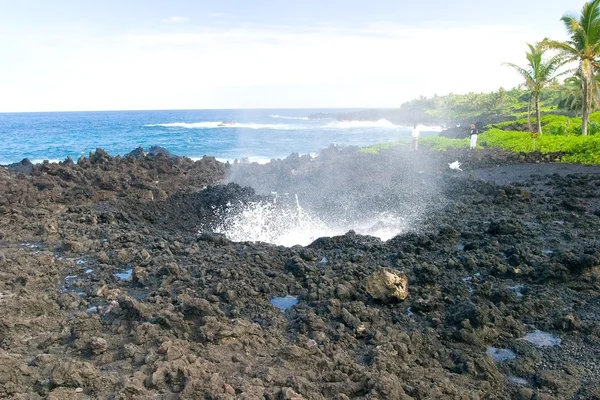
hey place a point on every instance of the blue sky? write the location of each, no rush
(111, 55)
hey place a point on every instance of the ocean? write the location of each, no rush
(258, 135)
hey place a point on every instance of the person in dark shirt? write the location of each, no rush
(474, 133)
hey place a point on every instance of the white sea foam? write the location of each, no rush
(382, 123)
(41, 160)
(221, 124)
(427, 128)
(285, 117)
(249, 160)
(268, 222)
(258, 159)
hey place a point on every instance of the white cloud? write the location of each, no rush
(377, 65)
(175, 19)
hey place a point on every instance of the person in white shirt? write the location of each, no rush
(415, 137)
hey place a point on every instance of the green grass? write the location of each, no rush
(376, 148)
(441, 143)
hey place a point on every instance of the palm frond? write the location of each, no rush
(565, 49)
(590, 15)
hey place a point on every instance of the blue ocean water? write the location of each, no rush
(259, 135)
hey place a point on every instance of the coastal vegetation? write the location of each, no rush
(583, 47)
(538, 74)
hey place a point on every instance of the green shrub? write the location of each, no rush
(552, 124)
(578, 149)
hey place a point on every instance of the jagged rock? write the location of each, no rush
(289, 394)
(24, 167)
(15, 375)
(73, 374)
(156, 150)
(137, 153)
(98, 345)
(99, 157)
(505, 227)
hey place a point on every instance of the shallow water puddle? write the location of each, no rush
(467, 280)
(518, 381)
(470, 278)
(283, 303)
(141, 296)
(517, 289)
(542, 339)
(31, 245)
(125, 275)
(500, 355)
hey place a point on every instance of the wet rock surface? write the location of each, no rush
(107, 289)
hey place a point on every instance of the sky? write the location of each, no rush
(73, 55)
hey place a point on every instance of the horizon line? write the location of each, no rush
(198, 109)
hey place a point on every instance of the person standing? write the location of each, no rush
(474, 133)
(415, 137)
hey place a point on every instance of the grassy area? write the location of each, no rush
(574, 149)
(440, 143)
(376, 148)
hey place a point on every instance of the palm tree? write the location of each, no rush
(583, 46)
(538, 74)
(572, 93)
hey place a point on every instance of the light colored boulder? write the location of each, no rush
(387, 285)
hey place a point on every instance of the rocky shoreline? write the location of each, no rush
(107, 290)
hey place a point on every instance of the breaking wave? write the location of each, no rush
(219, 124)
(428, 128)
(284, 117)
(382, 123)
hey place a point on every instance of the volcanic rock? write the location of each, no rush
(24, 167)
(489, 253)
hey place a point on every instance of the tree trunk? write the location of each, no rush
(538, 114)
(587, 98)
(529, 114)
